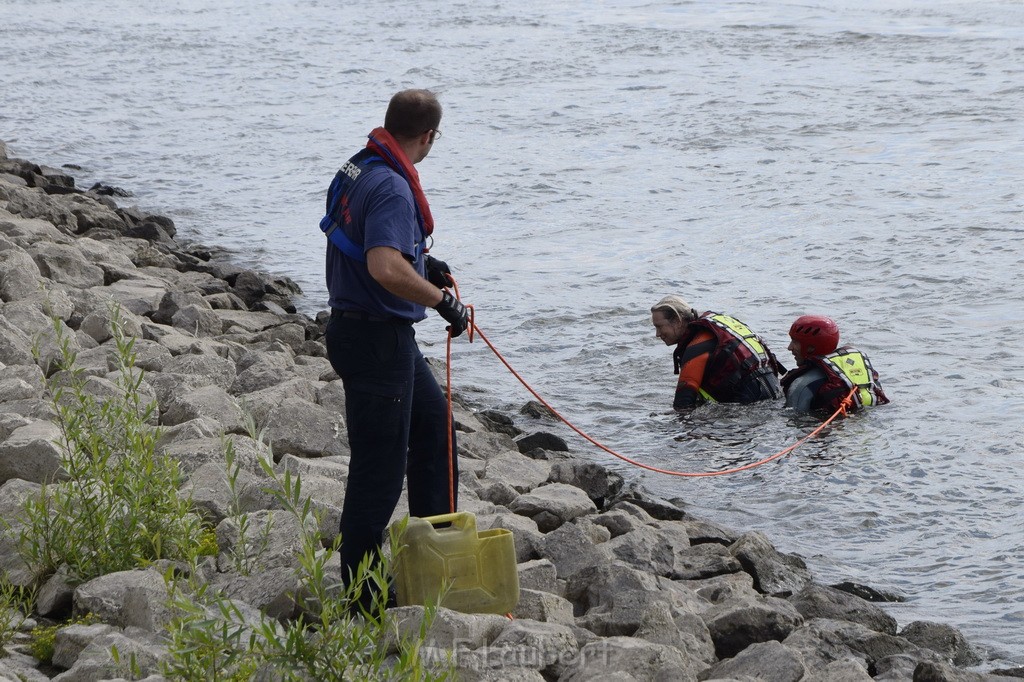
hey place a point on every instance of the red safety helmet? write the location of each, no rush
(815, 333)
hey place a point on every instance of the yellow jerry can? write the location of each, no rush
(475, 572)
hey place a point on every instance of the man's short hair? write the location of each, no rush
(411, 113)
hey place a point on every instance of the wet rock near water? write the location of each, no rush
(616, 583)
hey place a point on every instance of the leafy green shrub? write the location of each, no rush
(118, 507)
(336, 637)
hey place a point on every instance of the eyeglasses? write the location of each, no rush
(435, 135)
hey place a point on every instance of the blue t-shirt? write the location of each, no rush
(383, 214)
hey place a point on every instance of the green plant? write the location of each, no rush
(118, 506)
(343, 632)
(15, 601)
(249, 548)
(43, 638)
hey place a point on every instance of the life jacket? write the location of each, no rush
(739, 355)
(338, 217)
(845, 369)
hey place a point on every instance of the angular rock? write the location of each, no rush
(818, 601)
(211, 402)
(703, 561)
(640, 660)
(19, 275)
(70, 641)
(764, 660)
(774, 573)
(197, 321)
(542, 440)
(31, 453)
(299, 427)
(846, 670)
(563, 501)
(736, 624)
(544, 607)
(571, 550)
(450, 630)
(822, 641)
(942, 638)
(598, 482)
(65, 264)
(521, 473)
(137, 598)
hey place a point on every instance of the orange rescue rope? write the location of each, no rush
(843, 408)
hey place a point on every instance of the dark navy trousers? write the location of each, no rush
(397, 418)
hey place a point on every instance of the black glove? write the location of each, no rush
(452, 310)
(438, 273)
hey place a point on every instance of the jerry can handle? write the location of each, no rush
(458, 520)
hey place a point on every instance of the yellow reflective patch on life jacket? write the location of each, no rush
(741, 332)
(851, 366)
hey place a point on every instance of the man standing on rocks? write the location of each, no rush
(380, 282)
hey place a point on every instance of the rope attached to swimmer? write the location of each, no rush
(843, 408)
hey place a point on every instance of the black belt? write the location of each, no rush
(369, 317)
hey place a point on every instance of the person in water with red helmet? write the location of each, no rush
(827, 373)
(717, 357)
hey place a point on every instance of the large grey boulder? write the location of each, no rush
(93, 214)
(217, 370)
(197, 320)
(261, 404)
(19, 275)
(211, 402)
(738, 623)
(607, 658)
(65, 264)
(774, 573)
(525, 534)
(97, 662)
(822, 641)
(484, 445)
(259, 377)
(597, 584)
(544, 607)
(450, 630)
(700, 562)
(721, 588)
(192, 453)
(942, 638)
(31, 453)
(556, 501)
(272, 590)
(818, 601)
(99, 324)
(137, 598)
(550, 645)
(572, 550)
(15, 345)
(765, 661)
(138, 293)
(845, 670)
(259, 541)
(522, 474)
(71, 641)
(303, 428)
(598, 482)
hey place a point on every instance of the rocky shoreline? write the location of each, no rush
(616, 584)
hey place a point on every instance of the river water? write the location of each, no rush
(857, 158)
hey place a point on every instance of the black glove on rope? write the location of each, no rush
(452, 310)
(438, 273)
